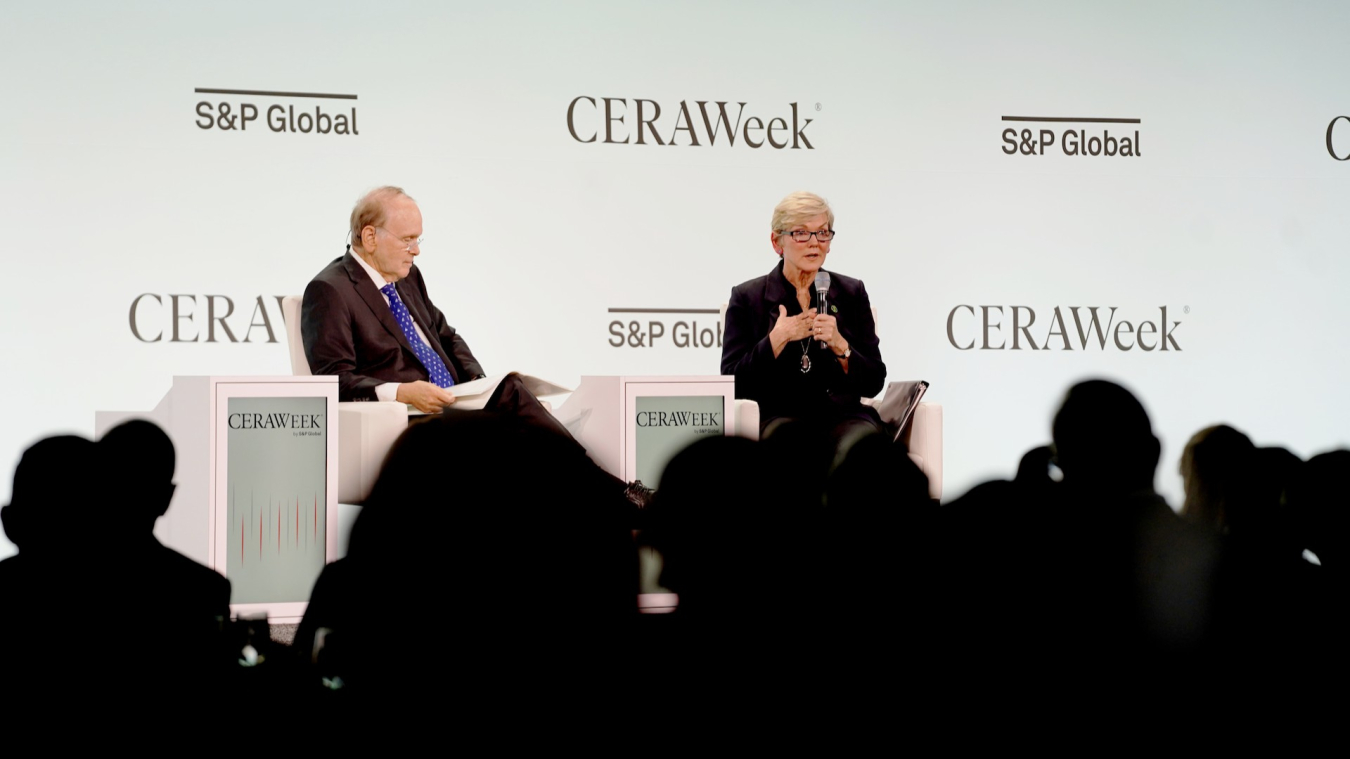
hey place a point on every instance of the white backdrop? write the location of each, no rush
(1233, 216)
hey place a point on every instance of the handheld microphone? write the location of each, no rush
(822, 286)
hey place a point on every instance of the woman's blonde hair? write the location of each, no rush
(799, 208)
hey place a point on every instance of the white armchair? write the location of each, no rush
(366, 431)
(923, 438)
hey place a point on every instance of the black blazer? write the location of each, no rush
(778, 384)
(348, 330)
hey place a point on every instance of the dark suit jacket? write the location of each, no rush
(348, 330)
(778, 384)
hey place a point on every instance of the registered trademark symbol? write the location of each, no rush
(1185, 309)
(817, 106)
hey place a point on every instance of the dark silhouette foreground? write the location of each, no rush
(799, 577)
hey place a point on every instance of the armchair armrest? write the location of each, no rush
(366, 433)
(747, 419)
(924, 440)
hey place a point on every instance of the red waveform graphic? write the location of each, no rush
(288, 516)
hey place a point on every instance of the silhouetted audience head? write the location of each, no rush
(1033, 469)
(500, 514)
(877, 476)
(99, 576)
(1263, 512)
(51, 502)
(1216, 470)
(138, 462)
(1103, 439)
(719, 527)
(1321, 498)
(492, 539)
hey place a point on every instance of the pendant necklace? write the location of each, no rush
(806, 345)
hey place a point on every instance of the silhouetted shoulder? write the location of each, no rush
(13, 576)
(180, 581)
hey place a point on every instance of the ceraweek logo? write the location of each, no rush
(587, 119)
(646, 333)
(275, 421)
(150, 317)
(1332, 130)
(679, 419)
(300, 425)
(1091, 324)
(1071, 141)
(231, 115)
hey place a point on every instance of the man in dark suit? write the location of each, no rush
(367, 318)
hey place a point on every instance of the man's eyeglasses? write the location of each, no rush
(410, 242)
(801, 235)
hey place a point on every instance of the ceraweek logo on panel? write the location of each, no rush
(993, 327)
(1108, 141)
(678, 419)
(236, 115)
(640, 122)
(276, 420)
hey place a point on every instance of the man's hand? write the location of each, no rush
(424, 396)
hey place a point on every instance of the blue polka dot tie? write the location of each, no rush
(435, 367)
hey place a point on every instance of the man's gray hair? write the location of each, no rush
(369, 210)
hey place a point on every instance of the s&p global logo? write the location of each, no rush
(280, 112)
(640, 122)
(1067, 328)
(680, 327)
(1081, 136)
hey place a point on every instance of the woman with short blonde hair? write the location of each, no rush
(801, 359)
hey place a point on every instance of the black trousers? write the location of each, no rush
(512, 398)
(836, 433)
